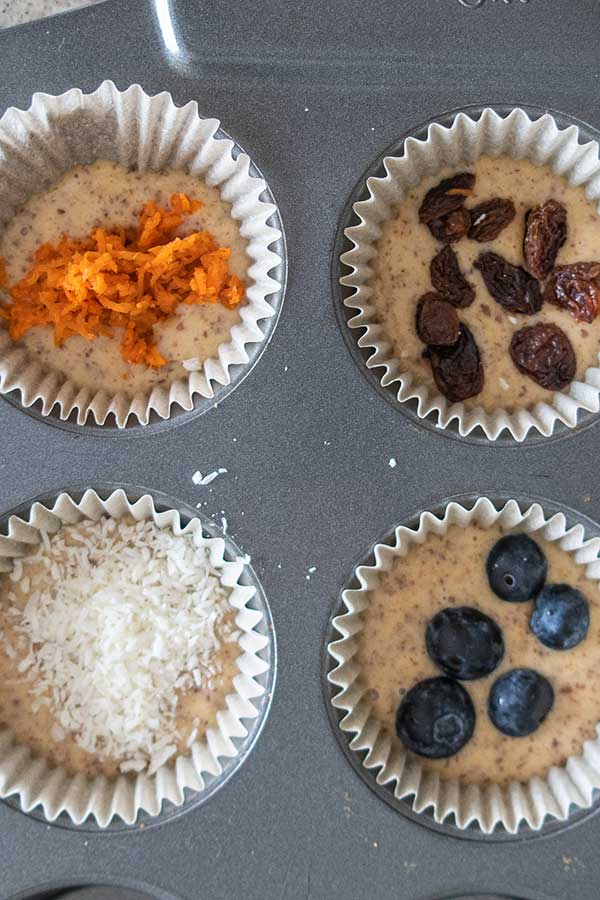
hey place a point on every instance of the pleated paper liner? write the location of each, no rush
(39, 145)
(566, 791)
(51, 792)
(464, 138)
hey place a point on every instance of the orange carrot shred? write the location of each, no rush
(126, 278)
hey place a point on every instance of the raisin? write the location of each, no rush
(488, 219)
(544, 353)
(545, 233)
(451, 228)
(577, 289)
(457, 370)
(442, 208)
(449, 281)
(510, 286)
(446, 197)
(437, 321)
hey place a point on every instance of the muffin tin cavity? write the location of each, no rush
(145, 134)
(95, 892)
(488, 395)
(442, 793)
(204, 762)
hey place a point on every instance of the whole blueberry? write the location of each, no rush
(464, 642)
(516, 568)
(519, 702)
(436, 718)
(561, 617)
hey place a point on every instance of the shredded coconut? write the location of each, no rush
(392, 463)
(118, 618)
(503, 384)
(211, 476)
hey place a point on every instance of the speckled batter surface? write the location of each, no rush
(449, 570)
(401, 276)
(107, 194)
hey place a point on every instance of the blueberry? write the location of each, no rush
(519, 702)
(561, 617)
(436, 718)
(464, 642)
(516, 568)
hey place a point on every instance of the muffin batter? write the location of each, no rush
(401, 276)
(106, 194)
(449, 570)
(37, 726)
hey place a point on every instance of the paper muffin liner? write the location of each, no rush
(518, 136)
(487, 807)
(39, 145)
(36, 784)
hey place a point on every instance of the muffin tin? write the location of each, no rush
(315, 93)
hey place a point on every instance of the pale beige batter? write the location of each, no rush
(449, 570)
(196, 709)
(106, 194)
(407, 247)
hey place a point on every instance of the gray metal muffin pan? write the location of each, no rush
(314, 92)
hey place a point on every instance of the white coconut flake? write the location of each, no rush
(513, 319)
(211, 476)
(392, 463)
(192, 365)
(160, 758)
(504, 384)
(197, 477)
(133, 765)
(129, 615)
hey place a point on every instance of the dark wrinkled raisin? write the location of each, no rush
(442, 208)
(436, 320)
(576, 288)
(545, 354)
(451, 228)
(545, 233)
(446, 197)
(457, 370)
(510, 286)
(489, 218)
(449, 281)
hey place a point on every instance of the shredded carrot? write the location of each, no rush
(124, 278)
